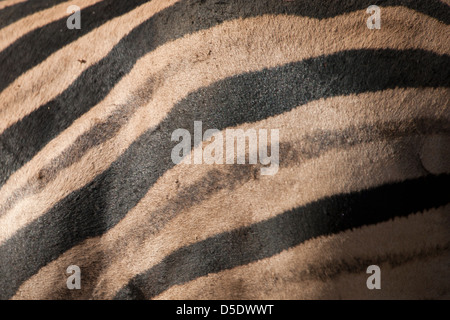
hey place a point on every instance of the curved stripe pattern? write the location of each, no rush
(27, 51)
(130, 49)
(267, 238)
(244, 98)
(299, 151)
(17, 11)
(67, 64)
(332, 271)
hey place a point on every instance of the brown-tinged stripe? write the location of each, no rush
(265, 239)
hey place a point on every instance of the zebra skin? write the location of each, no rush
(87, 179)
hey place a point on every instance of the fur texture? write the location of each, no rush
(86, 178)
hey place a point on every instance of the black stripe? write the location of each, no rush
(267, 238)
(101, 204)
(20, 10)
(20, 142)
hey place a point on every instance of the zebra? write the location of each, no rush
(86, 122)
